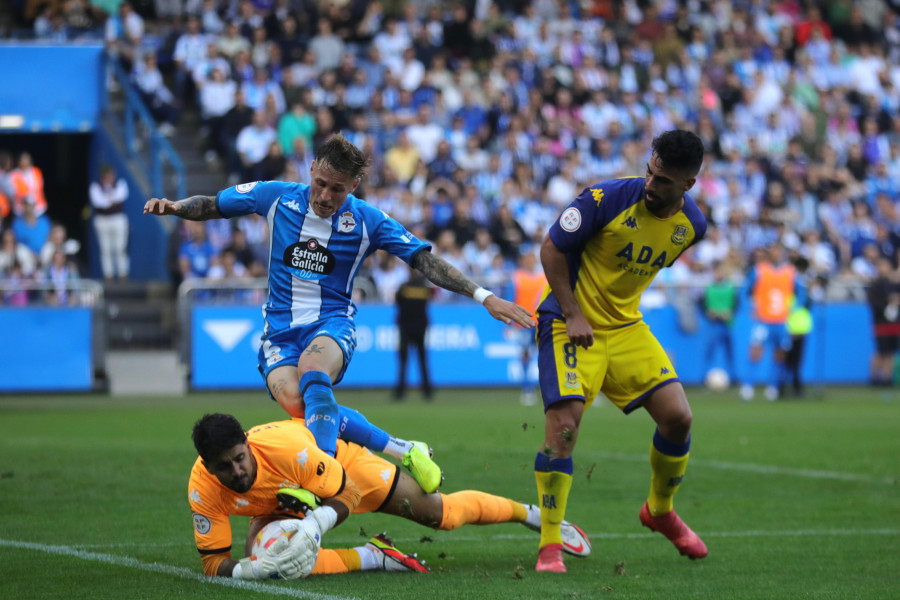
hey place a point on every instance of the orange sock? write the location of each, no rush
(478, 508)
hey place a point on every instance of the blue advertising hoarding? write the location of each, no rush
(469, 348)
(46, 349)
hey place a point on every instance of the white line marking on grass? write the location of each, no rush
(647, 535)
(764, 469)
(125, 561)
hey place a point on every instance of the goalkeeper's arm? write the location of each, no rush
(303, 548)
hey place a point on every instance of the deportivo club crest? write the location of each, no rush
(679, 234)
(346, 222)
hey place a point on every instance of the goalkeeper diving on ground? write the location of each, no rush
(276, 471)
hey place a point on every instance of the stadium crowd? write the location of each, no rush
(483, 119)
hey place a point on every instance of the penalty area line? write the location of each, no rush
(154, 567)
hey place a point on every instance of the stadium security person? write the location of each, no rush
(268, 473)
(599, 256)
(320, 234)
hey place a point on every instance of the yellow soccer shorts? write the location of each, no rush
(626, 364)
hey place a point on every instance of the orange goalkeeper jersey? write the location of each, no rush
(286, 456)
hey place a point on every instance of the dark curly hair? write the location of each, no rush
(216, 433)
(680, 150)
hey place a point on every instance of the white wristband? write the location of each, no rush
(325, 516)
(481, 295)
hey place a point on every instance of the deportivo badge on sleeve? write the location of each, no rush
(570, 219)
(243, 188)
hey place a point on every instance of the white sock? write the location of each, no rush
(397, 447)
(367, 558)
(533, 516)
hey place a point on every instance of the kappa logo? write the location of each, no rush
(597, 195)
(631, 223)
(292, 204)
(241, 502)
(664, 371)
(195, 497)
(302, 457)
(386, 475)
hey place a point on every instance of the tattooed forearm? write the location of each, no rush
(443, 274)
(198, 208)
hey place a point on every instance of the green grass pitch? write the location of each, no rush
(795, 499)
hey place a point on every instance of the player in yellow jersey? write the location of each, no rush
(599, 257)
(253, 474)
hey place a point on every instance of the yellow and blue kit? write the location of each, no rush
(614, 247)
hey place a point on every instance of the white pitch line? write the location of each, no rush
(631, 536)
(755, 468)
(125, 561)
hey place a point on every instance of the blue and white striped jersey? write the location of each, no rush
(313, 261)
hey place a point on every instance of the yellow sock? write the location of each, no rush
(339, 560)
(553, 492)
(667, 472)
(471, 507)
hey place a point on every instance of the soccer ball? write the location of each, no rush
(717, 379)
(272, 539)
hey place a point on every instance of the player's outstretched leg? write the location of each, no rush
(670, 525)
(423, 469)
(321, 412)
(390, 558)
(415, 456)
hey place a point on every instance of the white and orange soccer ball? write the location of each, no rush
(272, 539)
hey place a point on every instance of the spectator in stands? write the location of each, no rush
(507, 233)
(7, 189)
(252, 146)
(274, 165)
(108, 195)
(31, 229)
(156, 96)
(16, 255)
(28, 183)
(299, 122)
(261, 89)
(232, 42)
(217, 97)
(58, 240)
(124, 35)
(190, 52)
(195, 256)
(327, 47)
(59, 274)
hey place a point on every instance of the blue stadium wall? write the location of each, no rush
(57, 100)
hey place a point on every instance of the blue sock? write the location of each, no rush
(354, 427)
(321, 409)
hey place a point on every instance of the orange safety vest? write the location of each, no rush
(528, 288)
(29, 183)
(774, 292)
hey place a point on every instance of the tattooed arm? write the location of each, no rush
(441, 273)
(195, 208)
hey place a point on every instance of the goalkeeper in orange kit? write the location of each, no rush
(276, 471)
